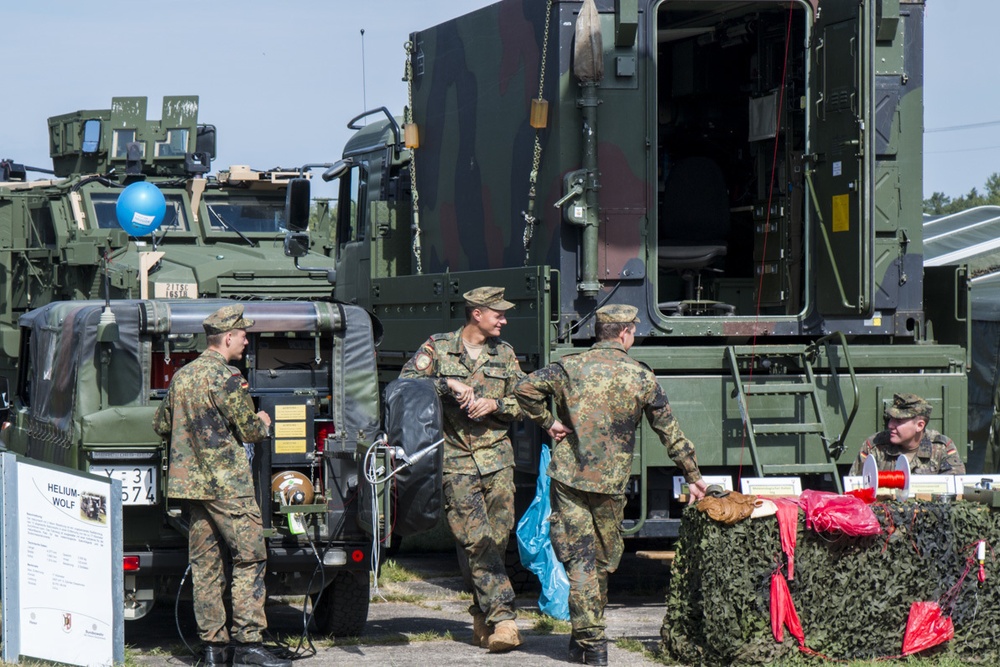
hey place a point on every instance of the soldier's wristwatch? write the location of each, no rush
(499, 404)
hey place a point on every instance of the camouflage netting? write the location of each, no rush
(852, 594)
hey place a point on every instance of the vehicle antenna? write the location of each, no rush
(364, 84)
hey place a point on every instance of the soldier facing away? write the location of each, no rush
(929, 452)
(600, 396)
(475, 375)
(207, 415)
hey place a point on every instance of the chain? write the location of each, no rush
(529, 215)
(415, 195)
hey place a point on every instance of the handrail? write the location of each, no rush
(837, 447)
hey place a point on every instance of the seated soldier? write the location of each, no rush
(929, 452)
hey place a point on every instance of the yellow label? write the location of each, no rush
(289, 429)
(842, 213)
(289, 412)
(289, 446)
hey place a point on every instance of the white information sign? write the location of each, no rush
(68, 568)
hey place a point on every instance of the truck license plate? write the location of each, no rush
(138, 482)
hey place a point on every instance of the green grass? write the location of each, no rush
(634, 646)
(397, 596)
(801, 661)
(544, 624)
(393, 572)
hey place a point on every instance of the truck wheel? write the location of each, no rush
(342, 609)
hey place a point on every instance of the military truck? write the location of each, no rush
(748, 174)
(95, 323)
(92, 376)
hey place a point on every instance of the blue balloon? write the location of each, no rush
(140, 208)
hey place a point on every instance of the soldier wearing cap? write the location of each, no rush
(475, 373)
(600, 396)
(929, 452)
(207, 416)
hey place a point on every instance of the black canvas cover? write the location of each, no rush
(413, 422)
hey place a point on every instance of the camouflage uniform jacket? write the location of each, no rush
(472, 446)
(207, 415)
(601, 394)
(936, 455)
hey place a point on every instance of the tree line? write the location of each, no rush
(941, 204)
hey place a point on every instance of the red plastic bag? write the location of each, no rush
(788, 528)
(783, 611)
(925, 627)
(826, 512)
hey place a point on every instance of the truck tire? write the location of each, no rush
(342, 610)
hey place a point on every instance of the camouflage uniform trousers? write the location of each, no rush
(235, 523)
(585, 529)
(480, 512)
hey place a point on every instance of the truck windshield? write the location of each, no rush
(176, 218)
(246, 213)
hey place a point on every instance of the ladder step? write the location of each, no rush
(798, 468)
(772, 388)
(784, 428)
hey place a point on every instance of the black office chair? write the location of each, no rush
(694, 220)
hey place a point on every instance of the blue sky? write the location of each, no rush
(280, 80)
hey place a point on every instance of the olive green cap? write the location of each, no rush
(487, 297)
(907, 406)
(618, 314)
(226, 319)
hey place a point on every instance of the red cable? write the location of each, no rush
(767, 225)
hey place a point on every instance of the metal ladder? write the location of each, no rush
(793, 388)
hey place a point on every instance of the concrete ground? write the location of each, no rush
(425, 622)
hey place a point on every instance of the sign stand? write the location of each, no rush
(61, 561)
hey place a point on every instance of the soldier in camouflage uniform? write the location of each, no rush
(929, 452)
(207, 416)
(476, 373)
(600, 396)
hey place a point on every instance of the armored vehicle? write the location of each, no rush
(94, 324)
(221, 235)
(748, 174)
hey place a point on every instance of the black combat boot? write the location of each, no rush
(215, 655)
(255, 655)
(575, 650)
(596, 654)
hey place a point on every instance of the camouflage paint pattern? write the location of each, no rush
(472, 446)
(207, 416)
(480, 512)
(601, 395)
(218, 526)
(666, 95)
(585, 529)
(936, 455)
(54, 234)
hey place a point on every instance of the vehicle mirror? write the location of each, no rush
(205, 141)
(297, 205)
(91, 135)
(4, 400)
(296, 244)
(337, 170)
